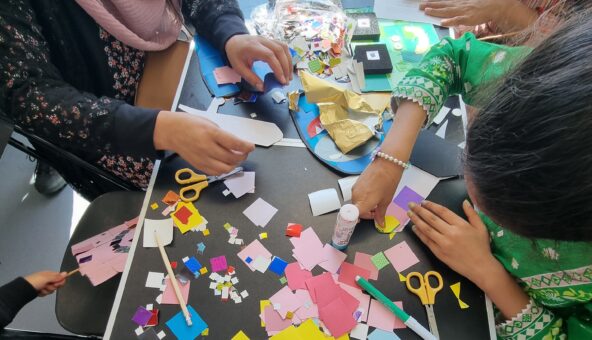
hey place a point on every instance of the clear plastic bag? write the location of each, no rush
(311, 19)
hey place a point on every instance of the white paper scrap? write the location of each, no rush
(154, 280)
(346, 184)
(164, 228)
(260, 212)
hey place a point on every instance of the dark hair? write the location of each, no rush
(529, 150)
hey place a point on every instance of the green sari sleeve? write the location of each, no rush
(535, 322)
(456, 66)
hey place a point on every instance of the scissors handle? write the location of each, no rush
(420, 290)
(191, 193)
(431, 290)
(188, 176)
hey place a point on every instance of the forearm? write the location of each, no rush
(515, 16)
(502, 289)
(401, 137)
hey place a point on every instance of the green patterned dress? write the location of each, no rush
(556, 275)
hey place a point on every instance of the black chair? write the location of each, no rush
(81, 308)
(89, 180)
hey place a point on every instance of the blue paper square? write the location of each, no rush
(193, 265)
(248, 259)
(379, 334)
(183, 332)
(278, 266)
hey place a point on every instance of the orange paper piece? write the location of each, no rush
(226, 75)
(170, 198)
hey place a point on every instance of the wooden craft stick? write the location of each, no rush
(70, 273)
(173, 279)
(499, 36)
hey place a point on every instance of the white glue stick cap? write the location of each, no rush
(349, 212)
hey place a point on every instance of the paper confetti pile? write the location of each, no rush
(224, 286)
(232, 234)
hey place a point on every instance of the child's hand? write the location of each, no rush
(46, 282)
(463, 246)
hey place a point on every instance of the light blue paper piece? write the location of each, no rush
(183, 332)
(379, 334)
(376, 83)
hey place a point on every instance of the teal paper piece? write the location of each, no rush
(183, 332)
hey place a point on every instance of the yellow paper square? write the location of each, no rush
(154, 206)
(263, 236)
(227, 225)
(262, 305)
(206, 232)
(240, 336)
(203, 270)
(310, 331)
(290, 333)
(194, 220)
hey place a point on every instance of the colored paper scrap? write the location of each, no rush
(308, 249)
(456, 291)
(153, 319)
(241, 183)
(171, 198)
(226, 75)
(285, 301)
(240, 336)
(163, 228)
(364, 260)
(169, 297)
(252, 251)
(262, 305)
(289, 333)
(260, 212)
(141, 316)
(262, 236)
(154, 206)
(192, 264)
(359, 332)
(218, 264)
(261, 264)
(333, 259)
(401, 256)
(379, 334)
(179, 327)
(336, 318)
(381, 317)
(324, 201)
(348, 274)
(201, 247)
(154, 280)
(402, 277)
(278, 266)
(273, 320)
(363, 299)
(379, 260)
(294, 230)
(186, 217)
(406, 196)
(296, 276)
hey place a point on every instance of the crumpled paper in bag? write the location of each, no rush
(348, 117)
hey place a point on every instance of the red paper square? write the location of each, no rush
(348, 273)
(183, 214)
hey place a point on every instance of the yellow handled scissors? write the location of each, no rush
(197, 182)
(427, 294)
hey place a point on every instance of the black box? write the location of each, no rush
(366, 26)
(375, 58)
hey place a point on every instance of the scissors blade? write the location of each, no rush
(236, 170)
(432, 320)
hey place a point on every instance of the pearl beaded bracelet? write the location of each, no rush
(378, 153)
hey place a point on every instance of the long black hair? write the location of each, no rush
(529, 150)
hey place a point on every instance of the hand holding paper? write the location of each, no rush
(200, 142)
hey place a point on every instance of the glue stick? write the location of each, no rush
(347, 218)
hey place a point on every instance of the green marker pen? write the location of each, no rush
(406, 318)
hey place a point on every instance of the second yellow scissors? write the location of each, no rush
(197, 182)
(427, 294)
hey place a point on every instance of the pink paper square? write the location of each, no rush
(273, 321)
(381, 317)
(218, 264)
(100, 273)
(319, 285)
(334, 259)
(348, 274)
(253, 250)
(399, 213)
(336, 318)
(286, 300)
(169, 297)
(296, 276)
(363, 260)
(364, 300)
(308, 249)
(401, 256)
(308, 309)
(226, 75)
